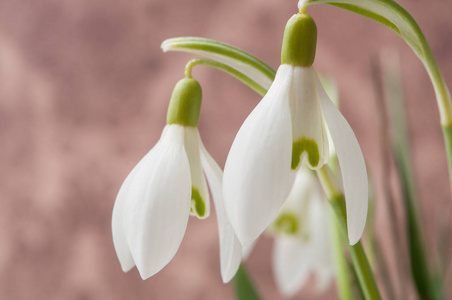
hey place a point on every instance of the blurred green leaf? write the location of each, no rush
(401, 144)
(243, 285)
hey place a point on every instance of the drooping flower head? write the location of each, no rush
(302, 238)
(285, 130)
(153, 205)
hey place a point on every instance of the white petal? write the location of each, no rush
(353, 167)
(294, 216)
(307, 121)
(246, 251)
(200, 203)
(257, 176)
(119, 237)
(324, 277)
(320, 232)
(156, 216)
(292, 264)
(303, 187)
(230, 248)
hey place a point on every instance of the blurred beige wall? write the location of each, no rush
(84, 88)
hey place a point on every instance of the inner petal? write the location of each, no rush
(200, 206)
(308, 129)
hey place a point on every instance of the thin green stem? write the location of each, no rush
(343, 272)
(439, 85)
(357, 254)
(447, 132)
(231, 71)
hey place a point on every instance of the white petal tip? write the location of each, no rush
(353, 240)
(146, 273)
(229, 270)
(354, 236)
(227, 276)
(127, 268)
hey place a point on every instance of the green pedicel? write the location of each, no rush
(305, 145)
(185, 103)
(200, 207)
(299, 42)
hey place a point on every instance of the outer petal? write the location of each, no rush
(200, 203)
(117, 226)
(292, 263)
(157, 215)
(304, 186)
(321, 241)
(230, 248)
(353, 167)
(257, 175)
(309, 135)
(246, 251)
(119, 237)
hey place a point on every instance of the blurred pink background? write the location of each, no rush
(84, 89)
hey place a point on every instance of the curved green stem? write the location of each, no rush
(357, 254)
(233, 72)
(395, 17)
(235, 58)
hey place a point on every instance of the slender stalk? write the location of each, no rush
(343, 272)
(447, 133)
(357, 254)
(231, 71)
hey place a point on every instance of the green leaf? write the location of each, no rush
(401, 144)
(244, 287)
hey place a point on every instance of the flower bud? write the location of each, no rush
(185, 103)
(299, 42)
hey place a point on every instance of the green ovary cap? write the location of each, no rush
(286, 223)
(199, 205)
(305, 145)
(185, 103)
(299, 42)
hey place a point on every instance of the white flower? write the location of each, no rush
(153, 205)
(287, 128)
(302, 238)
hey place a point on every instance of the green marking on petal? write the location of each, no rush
(199, 204)
(286, 223)
(305, 145)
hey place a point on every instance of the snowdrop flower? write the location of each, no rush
(151, 211)
(288, 128)
(302, 239)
